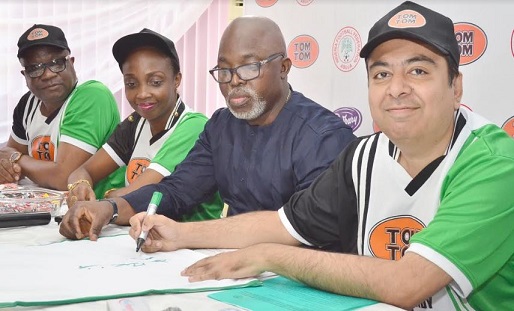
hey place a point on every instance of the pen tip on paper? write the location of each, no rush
(139, 244)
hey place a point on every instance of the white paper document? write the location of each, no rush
(76, 271)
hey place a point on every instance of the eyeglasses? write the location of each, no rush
(244, 72)
(56, 65)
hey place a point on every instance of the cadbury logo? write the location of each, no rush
(36, 34)
(350, 116)
(407, 19)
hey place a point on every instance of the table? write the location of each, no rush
(199, 301)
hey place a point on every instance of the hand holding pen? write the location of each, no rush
(152, 209)
(162, 232)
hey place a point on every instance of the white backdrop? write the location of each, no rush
(325, 38)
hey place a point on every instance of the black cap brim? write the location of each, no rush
(397, 34)
(125, 45)
(26, 47)
(146, 37)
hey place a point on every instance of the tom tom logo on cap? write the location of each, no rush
(37, 34)
(407, 19)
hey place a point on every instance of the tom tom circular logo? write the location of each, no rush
(43, 148)
(350, 116)
(37, 34)
(472, 42)
(265, 3)
(304, 2)
(407, 19)
(390, 238)
(508, 126)
(136, 167)
(346, 49)
(303, 51)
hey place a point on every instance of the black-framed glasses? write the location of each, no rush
(244, 72)
(56, 65)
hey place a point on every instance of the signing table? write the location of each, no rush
(28, 237)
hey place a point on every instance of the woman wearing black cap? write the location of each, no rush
(151, 141)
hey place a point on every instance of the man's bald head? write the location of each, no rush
(253, 53)
(254, 33)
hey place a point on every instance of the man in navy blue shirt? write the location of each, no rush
(269, 143)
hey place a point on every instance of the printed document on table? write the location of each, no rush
(282, 294)
(79, 271)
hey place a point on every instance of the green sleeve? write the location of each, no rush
(473, 227)
(91, 115)
(175, 149)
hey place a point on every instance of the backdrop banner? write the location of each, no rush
(324, 38)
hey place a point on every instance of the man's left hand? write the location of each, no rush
(243, 263)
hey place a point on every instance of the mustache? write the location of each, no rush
(242, 91)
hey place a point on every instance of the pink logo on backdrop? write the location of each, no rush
(346, 48)
(350, 116)
(303, 51)
(266, 3)
(304, 2)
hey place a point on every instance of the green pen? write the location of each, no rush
(152, 208)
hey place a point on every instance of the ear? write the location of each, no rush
(285, 67)
(178, 79)
(457, 90)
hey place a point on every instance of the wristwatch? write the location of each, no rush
(114, 210)
(15, 157)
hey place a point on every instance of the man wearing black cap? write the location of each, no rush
(427, 203)
(58, 124)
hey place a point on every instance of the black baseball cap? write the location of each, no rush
(413, 21)
(40, 34)
(146, 37)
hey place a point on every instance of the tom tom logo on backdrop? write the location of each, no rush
(472, 42)
(350, 116)
(346, 48)
(303, 51)
(265, 3)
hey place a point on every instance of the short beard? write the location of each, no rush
(258, 105)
